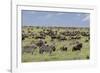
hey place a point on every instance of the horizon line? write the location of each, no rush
(58, 26)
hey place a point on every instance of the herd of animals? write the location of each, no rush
(39, 39)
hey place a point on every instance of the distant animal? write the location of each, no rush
(62, 38)
(39, 37)
(24, 35)
(29, 49)
(53, 47)
(44, 48)
(33, 34)
(86, 40)
(53, 37)
(87, 57)
(75, 37)
(77, 47)
(47, 48)
(85, 34)
(40, 43)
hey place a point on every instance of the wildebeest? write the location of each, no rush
(53, 47)
(24, 35)
(61, 38)
(77, 47)
(33, 34)
(40, 43)
(39, 37)
(86, 34)
(29, 49)
(51, 33)
(75, 37)
(86, 40)
(53, 37)
(70, 33)
(42, 33)
(87, 57)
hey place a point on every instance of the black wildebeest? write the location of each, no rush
(77, 47)
(29, 49)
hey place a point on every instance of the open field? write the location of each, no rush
(55, 43)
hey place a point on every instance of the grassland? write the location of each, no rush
(57, 55)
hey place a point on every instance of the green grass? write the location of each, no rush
(57, 55)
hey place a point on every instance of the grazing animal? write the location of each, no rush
(85, 34)
(53, 47)
(33, 34)
(87, 57)
(47, 48)
(53, 37)
(29, 49)
(40, 43)
(39, 37)
(77, 47)
(75, 38)
(62, 38)
(24, 35)
(86, 40)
